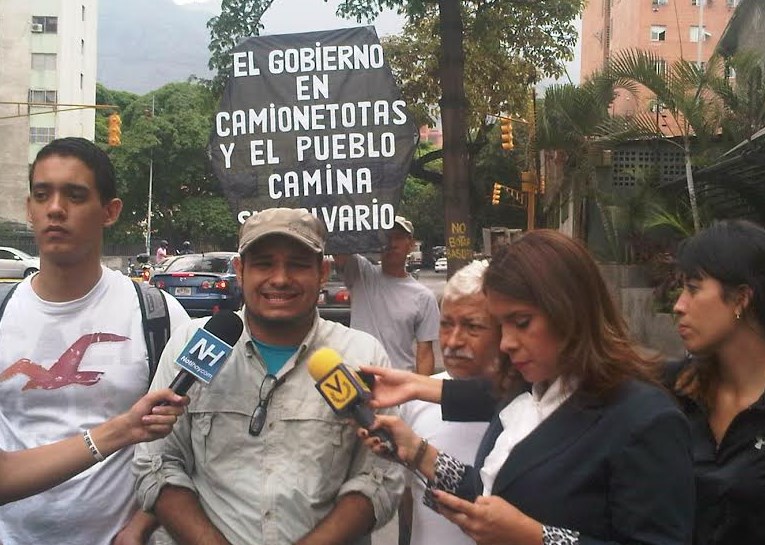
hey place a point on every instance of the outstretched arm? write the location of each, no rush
(393, 387)
(28, 472)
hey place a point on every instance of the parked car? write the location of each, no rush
(17, 264)
(202, 283)
(164, 263)
(440, 266)
(335, 299)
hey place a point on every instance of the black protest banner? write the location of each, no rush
(315, 120)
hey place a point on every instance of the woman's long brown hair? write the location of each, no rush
(557, 275)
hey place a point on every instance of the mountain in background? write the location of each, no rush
(144, 44)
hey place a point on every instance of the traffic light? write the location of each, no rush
(495, 193)
(506, 129)
(115, 130)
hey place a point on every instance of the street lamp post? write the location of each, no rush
(151, 189)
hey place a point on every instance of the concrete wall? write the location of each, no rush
(630, 289)
(15, 60)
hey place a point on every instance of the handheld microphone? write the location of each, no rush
(344, 391)
(207, 350)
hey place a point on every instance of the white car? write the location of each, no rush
(440, 265)
(17, 264)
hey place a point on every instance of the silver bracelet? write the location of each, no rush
(92, 446)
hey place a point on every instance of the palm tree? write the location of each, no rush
(742, 92)
(683, 89)
(569, 120)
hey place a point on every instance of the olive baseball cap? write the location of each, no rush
(296, 223)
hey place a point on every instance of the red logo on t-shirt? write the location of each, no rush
(66, 369)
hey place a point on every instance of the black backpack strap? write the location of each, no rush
(156, 322)
(7, 294)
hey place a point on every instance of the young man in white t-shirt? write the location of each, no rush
(73, 354)
(469, 339)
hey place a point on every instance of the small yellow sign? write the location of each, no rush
(338, 389)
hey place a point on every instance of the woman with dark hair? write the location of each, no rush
(596, 452)
(721, 387)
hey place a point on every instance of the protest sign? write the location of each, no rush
(315, 120)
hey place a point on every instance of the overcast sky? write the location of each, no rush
(283, 18)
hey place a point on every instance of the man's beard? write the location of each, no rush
(271, 323)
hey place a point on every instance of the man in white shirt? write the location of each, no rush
(469, 339)
(73, 353)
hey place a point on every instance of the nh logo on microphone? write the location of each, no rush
(203, 355)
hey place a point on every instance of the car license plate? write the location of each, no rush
(182, 291)
(322, 298)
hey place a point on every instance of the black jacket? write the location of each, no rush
(730, 478)
(617, 471)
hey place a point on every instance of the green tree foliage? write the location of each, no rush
(508, 45)
(238, 19)
(536, 34)
(187, 199)
(742, 96)
(423, 204)
(120, 99)
(569, 120)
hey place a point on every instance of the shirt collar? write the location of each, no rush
(307, 341)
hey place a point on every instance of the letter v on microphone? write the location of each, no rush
(338, 389)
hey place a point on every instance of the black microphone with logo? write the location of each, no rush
(207, 350)
(347, 394)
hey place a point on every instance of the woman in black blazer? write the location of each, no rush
(721, 388)
(595, 453)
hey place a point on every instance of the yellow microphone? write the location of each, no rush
(344, 391)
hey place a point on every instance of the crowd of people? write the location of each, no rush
(548, 425)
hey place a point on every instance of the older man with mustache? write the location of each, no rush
(469, 339)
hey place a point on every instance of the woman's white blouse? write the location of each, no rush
(519, 419)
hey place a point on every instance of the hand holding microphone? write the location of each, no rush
(207, 350)
(346, 393)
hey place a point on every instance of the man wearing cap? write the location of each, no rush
(260, 458)
(389, 304)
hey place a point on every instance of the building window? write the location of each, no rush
(46, 25)
(698, 2)
(43, 61)
(660, 2)
(695, 35)
(42, 96)
(41, 135)
(702, 65)
(658, 33)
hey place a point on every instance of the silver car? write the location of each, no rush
(17, 264)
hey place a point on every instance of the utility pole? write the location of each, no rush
(151, 189)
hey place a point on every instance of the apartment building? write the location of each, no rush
(47, 62)
(672, 29)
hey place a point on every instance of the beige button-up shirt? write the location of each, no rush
(274, 488)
